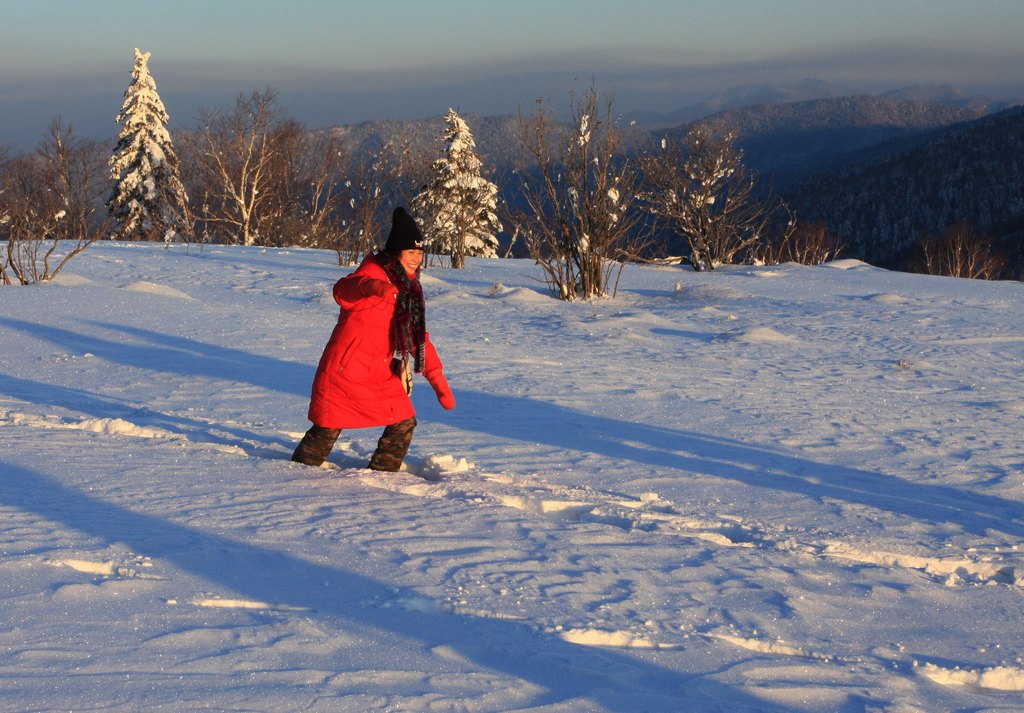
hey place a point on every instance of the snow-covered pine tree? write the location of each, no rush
(458, 209)
(148, 201)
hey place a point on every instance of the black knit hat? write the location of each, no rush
(404, 234)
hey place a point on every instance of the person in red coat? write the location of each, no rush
(365, 374)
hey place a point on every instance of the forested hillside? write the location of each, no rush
(973, 173)
(785, 142)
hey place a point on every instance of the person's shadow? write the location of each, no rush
(563, 671)
(526, 420)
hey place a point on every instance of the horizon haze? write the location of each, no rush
(334, 64)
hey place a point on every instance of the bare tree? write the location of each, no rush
(702, 190)
(960, 252)
(51, 204)
(797, 241)
(377, 180)
(579, 223)
(322, 196)
(304, 193)
(236, 154)
(366, 186)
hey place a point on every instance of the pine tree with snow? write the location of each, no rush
(148, 201)
(458, 210)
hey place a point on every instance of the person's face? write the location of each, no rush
(411, 260)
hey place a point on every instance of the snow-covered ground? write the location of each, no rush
(763, 489)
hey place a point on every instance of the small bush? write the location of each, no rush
(804, 243)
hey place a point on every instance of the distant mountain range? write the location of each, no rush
(751, 95)
(742, 96)
(786, 141)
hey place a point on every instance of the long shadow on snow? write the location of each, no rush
(687, 451)
(99, 406)
(565, 671)
(179, 355)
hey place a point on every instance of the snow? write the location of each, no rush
(779, 488)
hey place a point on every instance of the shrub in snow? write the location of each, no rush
(579, 222)
(48, 206)
(703, 192)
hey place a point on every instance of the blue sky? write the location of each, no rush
(337, 62)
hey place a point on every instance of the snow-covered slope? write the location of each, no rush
(762, 489)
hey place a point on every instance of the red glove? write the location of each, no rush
(378, 288)
(441, 389)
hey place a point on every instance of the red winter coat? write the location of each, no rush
(354, 386)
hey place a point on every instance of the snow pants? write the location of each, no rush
(392, 447)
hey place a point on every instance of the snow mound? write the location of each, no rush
(153, 288)
(886, 298)
(847, 264)
(761, 646)
(428, 280)
(951, 570)
(571, 510)
(611, 639)
(108, 568)
(520, 294)
(110, 427)
(118, 427)
(998, 678)
(105, 568)
(107, 426)
(71, 280)
(230, 603)
(1012, 406)
(759, 335)
(715, 293)
(434, 466)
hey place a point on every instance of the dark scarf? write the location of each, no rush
(409, 325)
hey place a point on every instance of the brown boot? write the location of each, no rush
(392, 446)
(316, 445)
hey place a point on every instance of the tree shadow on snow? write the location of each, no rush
(195, 430)
(177, 355)
(532, 421)
(567, 673)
